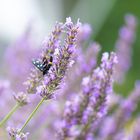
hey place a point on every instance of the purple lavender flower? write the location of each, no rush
(19, 54)
(124, 47)
(88, 60)
(49, 46)
(61, 59)
(84, 64)
(84, 33)
(89, 105)
(122, 114)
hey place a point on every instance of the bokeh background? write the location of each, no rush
(105, 16)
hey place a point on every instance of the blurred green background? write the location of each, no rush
(105, 16)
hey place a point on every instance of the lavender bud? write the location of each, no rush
(21, 98)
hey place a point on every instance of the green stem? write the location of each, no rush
(32, 114)
(9, 114)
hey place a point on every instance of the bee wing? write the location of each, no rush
(38, 64)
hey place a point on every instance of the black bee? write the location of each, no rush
(43, 65)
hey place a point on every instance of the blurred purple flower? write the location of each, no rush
(89, 105)
(5, 95)
(84, 33)
(18, 60)
(121, 115)
(123, 47)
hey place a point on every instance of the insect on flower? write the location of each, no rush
(43, 65)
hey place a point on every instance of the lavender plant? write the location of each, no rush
(50, 81)
(85, 107)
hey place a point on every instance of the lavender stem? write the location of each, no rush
(9, 114)
(32, 114)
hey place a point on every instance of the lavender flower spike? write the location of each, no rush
(49, 46)
(123, 47)
(90, 105)
(62, 58)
